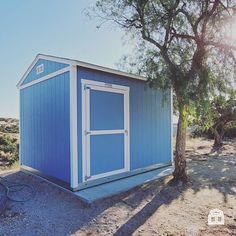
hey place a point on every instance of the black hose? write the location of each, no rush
(13, 187)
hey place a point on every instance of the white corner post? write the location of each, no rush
(73, 128)
(19, 107)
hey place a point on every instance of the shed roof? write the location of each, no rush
(78, 63)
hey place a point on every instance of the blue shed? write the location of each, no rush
(82, 124)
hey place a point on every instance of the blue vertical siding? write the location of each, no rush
(45, 127)
(45, 123)
(150, 120)
(49, 67)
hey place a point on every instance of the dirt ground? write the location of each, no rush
(157, 208)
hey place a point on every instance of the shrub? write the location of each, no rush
(198, 131)
(14, 129)
(9, 148)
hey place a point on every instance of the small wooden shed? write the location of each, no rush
(83, 125)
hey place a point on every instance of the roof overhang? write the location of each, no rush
(77, 63)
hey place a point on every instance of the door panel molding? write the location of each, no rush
(88, 85)
(101, 132)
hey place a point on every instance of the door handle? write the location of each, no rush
(87, 177)
(87, 132)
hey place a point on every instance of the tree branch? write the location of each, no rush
(205, 16)
(220, 45)
(183, 36)
(188, 17)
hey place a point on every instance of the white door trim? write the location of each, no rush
(103, 85)
(86, 133)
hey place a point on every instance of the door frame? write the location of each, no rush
(86, 85)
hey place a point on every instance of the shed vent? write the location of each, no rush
(40, 69)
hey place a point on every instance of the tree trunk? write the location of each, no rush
(180, 158)
(218, 138)
(217, 141)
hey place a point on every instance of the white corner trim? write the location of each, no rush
(83, 110)
(20, 132)
(73, 128)
(46, 77)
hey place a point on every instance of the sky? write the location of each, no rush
(55, 27)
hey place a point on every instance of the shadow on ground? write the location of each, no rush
(206, 174)
(55, 212)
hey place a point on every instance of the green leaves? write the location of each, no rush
(7, 144)
(177, 41)
(180, 44)
(219, 110)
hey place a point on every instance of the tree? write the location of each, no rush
(183, 44)
(216, 115)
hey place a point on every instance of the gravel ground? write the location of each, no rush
(157, 208)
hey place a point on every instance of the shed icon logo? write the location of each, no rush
(216, 217)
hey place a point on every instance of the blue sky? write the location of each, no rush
(56, 27)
